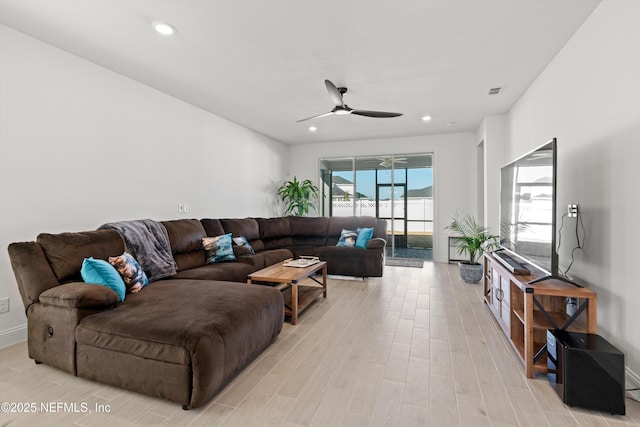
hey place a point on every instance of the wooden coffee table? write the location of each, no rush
(302, 294)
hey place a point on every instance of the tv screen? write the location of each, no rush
(527, 208)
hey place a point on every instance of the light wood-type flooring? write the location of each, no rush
(415, 348)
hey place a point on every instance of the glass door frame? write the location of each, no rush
(348, 168)
(392, 220)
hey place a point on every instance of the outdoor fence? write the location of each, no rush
(419, 212)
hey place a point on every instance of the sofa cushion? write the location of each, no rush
(265, 258)
(271, 228)
(312, 250)
(246, 227)
(275, 233)
(186, 236)
(309, 226)
(309, 231)
(100, 272)
(132, 274)
(347, 238)
(364, 235)
(218, 249)
(212, 227)
(242, 242)
(67, 251)
(232, 271)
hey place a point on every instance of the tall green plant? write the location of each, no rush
(297, 196)
(471, 237)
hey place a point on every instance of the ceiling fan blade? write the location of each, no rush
(315, 117)
(367, 113)
(334, 93)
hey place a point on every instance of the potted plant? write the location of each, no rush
(474, 239)
(298, 196)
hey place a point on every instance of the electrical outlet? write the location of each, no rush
(572, 210)
(180, 208)
(4, 305)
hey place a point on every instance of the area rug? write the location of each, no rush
(404, 262)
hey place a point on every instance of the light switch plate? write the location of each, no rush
(4, 305)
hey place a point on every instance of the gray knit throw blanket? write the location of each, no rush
(148, 242)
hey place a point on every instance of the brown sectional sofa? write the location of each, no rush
(184, 337)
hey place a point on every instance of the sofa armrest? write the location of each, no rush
(80, 295)
(376, 242)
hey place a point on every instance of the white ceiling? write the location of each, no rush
(262, 64)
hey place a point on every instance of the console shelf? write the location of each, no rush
(539, 321)
(526, 311)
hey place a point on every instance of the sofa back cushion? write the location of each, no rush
(244, 227)
(66, 251)
(185, 236)
(212, 227)
(275, 232)
(309, 231)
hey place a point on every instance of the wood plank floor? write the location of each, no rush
(415, 348)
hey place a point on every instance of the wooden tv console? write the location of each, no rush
(525, 311)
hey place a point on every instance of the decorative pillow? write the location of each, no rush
(242, 241)
(132, 274)
(347, 238)
(218, 248)
(364, 235)
(100, 272)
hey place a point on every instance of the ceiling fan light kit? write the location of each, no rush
(342, 109)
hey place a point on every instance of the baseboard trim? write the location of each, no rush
(633, 381)
(12, 336)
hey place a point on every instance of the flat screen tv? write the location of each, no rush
(528, 209)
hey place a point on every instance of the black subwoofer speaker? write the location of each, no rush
(586, 371)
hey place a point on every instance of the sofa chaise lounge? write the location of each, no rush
(181, 338)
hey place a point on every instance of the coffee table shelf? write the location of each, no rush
(289, 280)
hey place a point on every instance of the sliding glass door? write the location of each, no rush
(397, 188)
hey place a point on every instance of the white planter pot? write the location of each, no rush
(470, 273)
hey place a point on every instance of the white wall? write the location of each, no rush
(589, 98)
(492, 137)
(81, 146)
(453, 173)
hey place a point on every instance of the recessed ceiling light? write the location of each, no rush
(164, 28)
(426, 118)
(312, 128)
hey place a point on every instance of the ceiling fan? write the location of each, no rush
(336, 93)
(386, 162)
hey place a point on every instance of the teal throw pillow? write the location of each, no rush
(218, 249)
(100, 272)
(364, 235)
(347, 238)
(133, 276)
(242, 241)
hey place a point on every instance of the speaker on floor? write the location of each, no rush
(586, 371)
